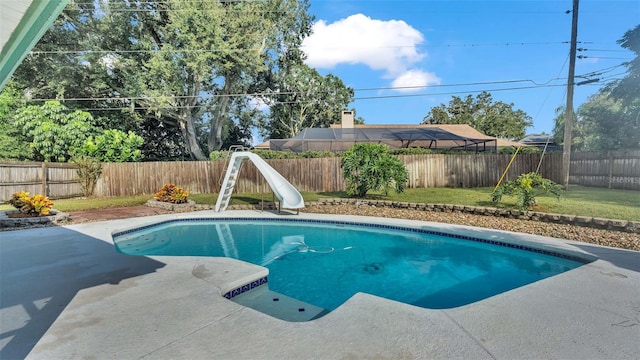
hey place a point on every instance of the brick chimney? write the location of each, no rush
(347, 119)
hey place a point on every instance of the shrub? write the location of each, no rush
(172, 194)
(369, 166)
(523, 150)
(526, 187)
(411, 151)
(88, 171)
(53, 129)
(37, 204)
(216, 155)
(273, 154)
(314, 154)
(113, 146)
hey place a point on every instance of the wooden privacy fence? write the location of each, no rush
(615, 170)
(57, 180)
(319, 175)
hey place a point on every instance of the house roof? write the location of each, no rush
(264, 146)
(463, 130)
(395, 136)
(537, 139)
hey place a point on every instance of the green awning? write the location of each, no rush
(22, 24)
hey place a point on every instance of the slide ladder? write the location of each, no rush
(228, 184)
(287, 194)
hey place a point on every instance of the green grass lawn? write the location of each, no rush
(579, 200)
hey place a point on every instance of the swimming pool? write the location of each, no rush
(324, 263)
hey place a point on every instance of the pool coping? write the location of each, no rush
(532, 243)
(176, 310)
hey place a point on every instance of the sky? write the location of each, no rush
(404, 57)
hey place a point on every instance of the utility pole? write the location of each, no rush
(566, 148)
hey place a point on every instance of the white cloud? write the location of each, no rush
(411, 80)
(390, 46)
(258, 103)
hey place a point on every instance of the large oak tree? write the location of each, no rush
(493, 118)
(187, 65)
(305, 99)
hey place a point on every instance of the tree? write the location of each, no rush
(609, 120)
(610, 124)
(482, 113)
(370, 167)
(239, 132)
(306, 99)
(113, 146)
(578, 131)
(187, 81)
(70, 62)
(601, 124)
(54, 130)
(627, 89)
(181, 63)
(13, 144)
(161, 140)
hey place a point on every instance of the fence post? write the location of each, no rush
(610, 169)
(44, 179)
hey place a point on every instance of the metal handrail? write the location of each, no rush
(231, 150)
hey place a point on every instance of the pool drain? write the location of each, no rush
(373, 268)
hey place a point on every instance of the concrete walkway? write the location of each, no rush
(66, 294)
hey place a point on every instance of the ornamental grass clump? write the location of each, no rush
(172, 194)
(37, 205)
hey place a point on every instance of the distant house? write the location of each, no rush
(340, 137)
(541, 141)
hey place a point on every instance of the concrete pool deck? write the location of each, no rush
(65, 293)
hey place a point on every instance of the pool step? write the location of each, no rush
(278, 305)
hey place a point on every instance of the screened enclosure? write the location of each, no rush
(341, 139)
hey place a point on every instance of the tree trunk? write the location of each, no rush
(190, 138)
(217, 120)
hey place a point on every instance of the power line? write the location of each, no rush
(267, 94)
(457, 92)
(166, 107)
(456, 85)
(601, 71)
(550, 89)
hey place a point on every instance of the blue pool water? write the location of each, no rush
(325, 263)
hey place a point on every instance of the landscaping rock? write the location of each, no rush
(190, 205)
(54, 217)
(552, 226)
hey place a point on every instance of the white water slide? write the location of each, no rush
(287, 194)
